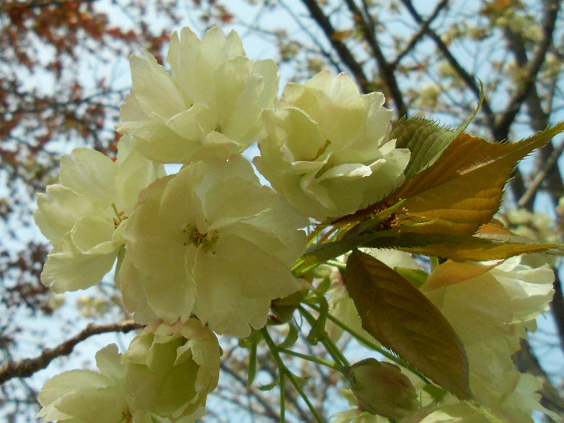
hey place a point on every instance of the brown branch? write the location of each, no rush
(420, 33)
(268, 410)
(29, 366)
(468, 79)
(340, 47)
(549, 163)
(316, 41)
(532, 66)
(539, 118)
(385, 68)
(557, 308)
(549, 155)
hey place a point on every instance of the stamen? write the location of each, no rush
(206, 240)
(121, 216)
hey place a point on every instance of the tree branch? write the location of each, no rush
(557, 308)
(419, 34)
(532, 66)
(549, 162)
(386, 70)
(268, 410)
(342, 50)
(539, 120)
(468, 79)
(28, 367)
(314, 39)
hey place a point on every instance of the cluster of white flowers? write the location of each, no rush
(204, 251)
(209, 242)
(167, 372)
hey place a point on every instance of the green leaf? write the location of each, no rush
(437, 393)
(371, 219)
(425, 140)
(451, 199)
(402, 319)
(462, 190)
(479, 247)
(329, 250)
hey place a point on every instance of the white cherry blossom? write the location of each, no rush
(214, 95)
(82, 215)
(211, 240)
(327, 147)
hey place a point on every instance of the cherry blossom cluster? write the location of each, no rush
(205, 250)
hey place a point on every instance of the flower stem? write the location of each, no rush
(285, 372)
(327, 342)
(319, 361)
(372, 345)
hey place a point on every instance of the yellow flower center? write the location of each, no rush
(195, 237)
(120, 216)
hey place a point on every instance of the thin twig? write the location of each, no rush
(342, 50)
(532, 67)
(468, 79)
(541, 175)
(419, 34)
(386, 72)
(29, 366)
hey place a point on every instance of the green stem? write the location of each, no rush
(320, 361)
(285, 372)
(337, 263)
(327, 342)
(282, 399)
(301, 268)
(373, 346)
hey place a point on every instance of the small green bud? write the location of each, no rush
(381, 388)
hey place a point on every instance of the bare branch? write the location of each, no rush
(557, 308)
(268, 410)
(342, 50)
(419, 34)
(532, 66)
(540, 176)
(313, 38)
(28, 367)
(468, 79)
(386, 70)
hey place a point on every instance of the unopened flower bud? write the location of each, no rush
(283, 308)
(382, 389)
